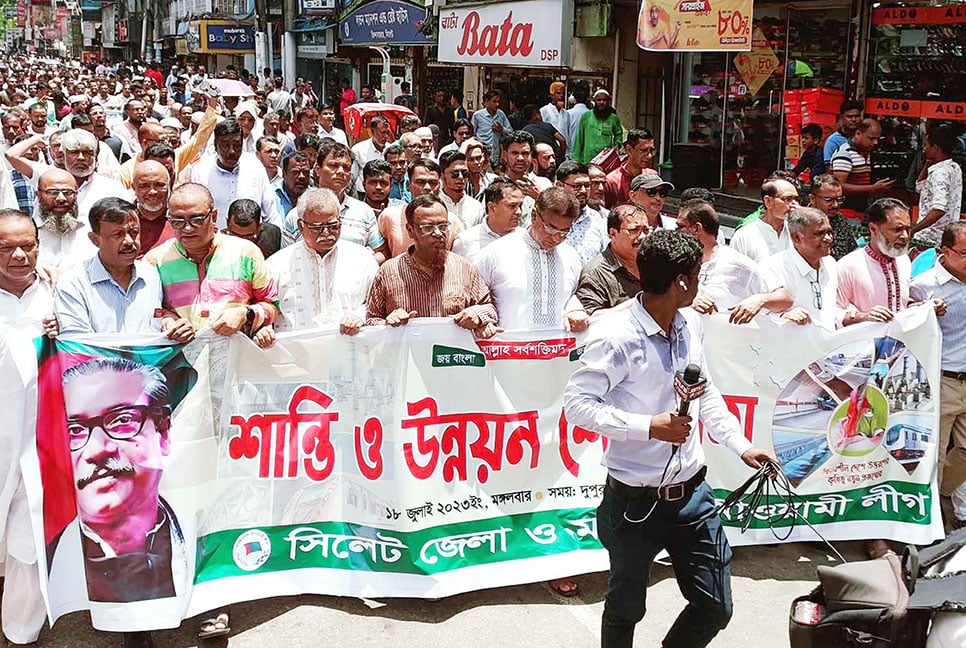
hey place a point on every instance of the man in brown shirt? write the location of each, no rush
(428, 281)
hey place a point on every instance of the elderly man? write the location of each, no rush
(613, 277)
(729, 281)
(429, 281)
(533, 277)
(649, 192)
(322, 279)
(454, 174)
(768, 235)
(296, 177)
(640, 150)
(151, 186)
(62, 233)
(426, 141)
(26, 306)
(504, 209)
(208, 278)
(599, 128)
(423, 180)
(806, 270)
(825, 194)
(231, 175)
(333, 169)
(874, 280)
(588, 234)
(370, 149)
(245, 221)
(135, 114)
(80, 160)
(945, 283)
(246, 114)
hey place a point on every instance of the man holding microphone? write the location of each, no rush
(631, 378)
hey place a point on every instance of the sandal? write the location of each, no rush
(214, 627)
(564, 586)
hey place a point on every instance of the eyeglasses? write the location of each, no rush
(634, 232)
(816, 291)
(119, 423)
(598, 183)
(66, 193)
(318, 228)
(649, 150)
(578, 186)
(456, 175)
(961, 255)
(664, 192)
(194, 221)
(428, 229)
(551, 230)
(838, 202)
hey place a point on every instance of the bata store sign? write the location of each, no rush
(535, 33)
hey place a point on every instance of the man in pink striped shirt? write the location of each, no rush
(429, 281)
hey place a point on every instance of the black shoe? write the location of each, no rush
(138, 640)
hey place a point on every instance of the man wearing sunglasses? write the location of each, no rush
(648, 193)
(208, 278)
(428, 280)
(454, 175)
(826, 196)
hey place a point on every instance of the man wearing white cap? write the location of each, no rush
(172, 130)
(78, 105)
(599, 128)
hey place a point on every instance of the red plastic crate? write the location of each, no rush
(820, 118)
(822, 100)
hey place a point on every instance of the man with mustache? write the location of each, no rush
(454, 174)
(118, 422)
(429, 281)
(151, 186)
(321, 264)
(63, 235)
(113, 292)
(613, 277)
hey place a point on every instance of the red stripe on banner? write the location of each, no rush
(536, 350)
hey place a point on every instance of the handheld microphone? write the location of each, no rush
(690, 377)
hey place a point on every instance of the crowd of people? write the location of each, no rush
(137, 202)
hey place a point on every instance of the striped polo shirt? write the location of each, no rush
(233, 274)
(859, 168)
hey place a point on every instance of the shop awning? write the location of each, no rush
(304, 25)
(91, 10)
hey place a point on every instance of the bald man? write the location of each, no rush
(153, 133)
(151, 186)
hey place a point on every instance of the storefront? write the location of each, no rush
(737, 115)
(379, 32)
(219, 43)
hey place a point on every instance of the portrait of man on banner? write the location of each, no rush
(118, 429)
(654, 28)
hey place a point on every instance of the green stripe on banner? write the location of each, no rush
(894, 501)
(340, 545)
(447, 356)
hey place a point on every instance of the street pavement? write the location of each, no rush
(765, 581)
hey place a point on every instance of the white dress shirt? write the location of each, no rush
(468, 209)
(559, 118)
(758, 240)
(314, 290)
(336, 134)
(27, 312)
(64, 251)
(247, 180)
(814, 290)
(98, 186)
(471, 242)
(533, 288)
(728, 277)
(626, 378)
(363, 152)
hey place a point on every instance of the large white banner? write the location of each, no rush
(420, 462)
(532, 33)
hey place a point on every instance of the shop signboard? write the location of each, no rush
(533, 33)
(386, 22)
(695, 25)
(229, 38)
(948, 15)
(316, 7)
(945, 110)
(757, 65)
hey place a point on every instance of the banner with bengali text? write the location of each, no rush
(695, 25)
(419, 462)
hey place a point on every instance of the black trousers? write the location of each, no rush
(699, 553)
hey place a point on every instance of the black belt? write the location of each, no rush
(955, 375)
(668, 493)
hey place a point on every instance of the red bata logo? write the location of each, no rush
(517, 40)
(695, 6)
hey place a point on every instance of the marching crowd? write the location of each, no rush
(137, 202)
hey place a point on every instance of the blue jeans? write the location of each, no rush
(699, 553)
